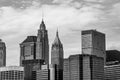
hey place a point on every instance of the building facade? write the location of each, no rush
(93, 43)
(47, 72)
(34, 52)
(44, 73)
(12, 73)
(2, 54)
(66, 69)
(83, 67)
(31, 66)
(112, 72)
(57, 57)
(28, 49)
(42, 44)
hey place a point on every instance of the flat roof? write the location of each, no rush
(12, 68)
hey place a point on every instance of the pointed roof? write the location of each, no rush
(42, 25)
(57, 40)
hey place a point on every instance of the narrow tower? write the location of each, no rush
(57, 57)
(42, 44)
(2, 54)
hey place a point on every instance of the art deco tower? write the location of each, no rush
(57, 52)
(2, 54)
(57, 57)
(42, 44)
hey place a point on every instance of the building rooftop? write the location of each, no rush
(12, 68)
(112, 55)
(30, 39)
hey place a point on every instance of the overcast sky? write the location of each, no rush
(21, 18)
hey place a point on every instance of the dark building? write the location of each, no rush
(2, 54)
(84, 67)
(31, 66)
(28, 49)
(34, 52)
(57, 57)
(112, 55)
(36, 47)
(42, 44)
(93, 43)
(112, 68)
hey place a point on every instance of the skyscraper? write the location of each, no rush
(57, 52)
(2, 54)
(28, 49)
(84, 67)
(66, 69)
(57, 56)
(42, 44)
(93, 43)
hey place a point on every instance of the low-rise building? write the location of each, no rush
(12, 73)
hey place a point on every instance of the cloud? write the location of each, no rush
(16, 24)
(69, 18)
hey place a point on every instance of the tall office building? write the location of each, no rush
(66, 69)
(42, 44)
(47, 72)
(31, 66)
(12, 73)
(57, 56)
(28, 49)
(2, 54)
(84, 67)
(44, 73)
(93, 43)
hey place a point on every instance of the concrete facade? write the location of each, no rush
(93, 43)
(84, 67)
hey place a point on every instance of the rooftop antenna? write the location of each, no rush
(42, 14)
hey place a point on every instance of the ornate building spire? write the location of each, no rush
(57, 40)
(42, 25)
(57, 57)
(42, 44)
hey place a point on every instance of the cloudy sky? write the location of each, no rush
(20, 18)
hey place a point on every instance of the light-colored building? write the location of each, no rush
(112, 72)
(47, 72)
(12, 73)
(93, 43)
(83, 67)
